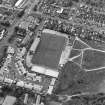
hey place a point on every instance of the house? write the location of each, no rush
(9, 100)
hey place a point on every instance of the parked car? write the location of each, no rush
(3, 33)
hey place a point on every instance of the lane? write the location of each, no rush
(87, 70)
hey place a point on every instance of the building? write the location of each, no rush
(10, 50)
(45, 71)
(9, 100)
(26, 98)
(18, 3)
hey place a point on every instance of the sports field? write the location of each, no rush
(49, 50)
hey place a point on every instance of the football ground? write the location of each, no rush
(49, 50)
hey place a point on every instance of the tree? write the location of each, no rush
(18, 92)
(5, 23)
(35, 8)
(21, 13)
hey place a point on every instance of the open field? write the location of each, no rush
(74, 52)
(93, 59)
(74, 78)
(78, 44)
